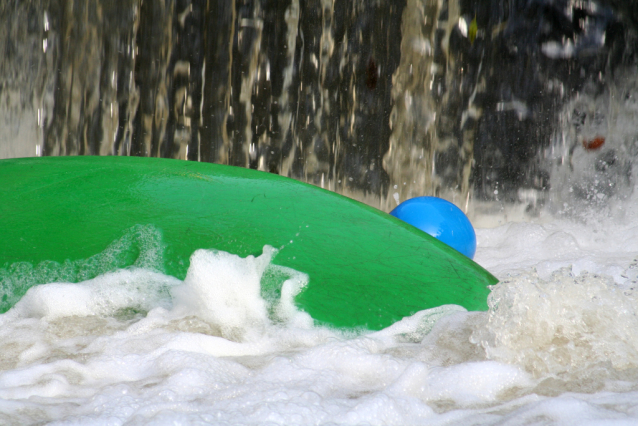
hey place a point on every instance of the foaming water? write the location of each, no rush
(134, 346)
(563, 324)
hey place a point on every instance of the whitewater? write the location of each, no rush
(136, 347)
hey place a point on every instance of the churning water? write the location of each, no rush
(557, 346)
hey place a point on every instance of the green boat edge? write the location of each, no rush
(367, 269)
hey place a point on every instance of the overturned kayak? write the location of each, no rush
(365, 267)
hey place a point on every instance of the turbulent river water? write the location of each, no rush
(557, 346)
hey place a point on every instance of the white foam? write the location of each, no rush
(473, 383)
(103, 295)
(602, 246)
(224, 289)
(139, 347)
(566, 323)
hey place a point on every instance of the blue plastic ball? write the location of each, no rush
(441, 219)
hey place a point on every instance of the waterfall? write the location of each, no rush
(378, 100)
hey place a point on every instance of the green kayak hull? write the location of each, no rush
(365, 267)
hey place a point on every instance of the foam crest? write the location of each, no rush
(283, 307)
(136, 289)
(222, 293)
(140, 247)
(415, 327)
(563, 324)
(225, 290)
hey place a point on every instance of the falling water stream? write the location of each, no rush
(378, 100)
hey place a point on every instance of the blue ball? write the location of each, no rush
(441, 219)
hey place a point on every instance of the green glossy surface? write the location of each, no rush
(366, 268)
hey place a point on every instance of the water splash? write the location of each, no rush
(562, 326)
(139, 247)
